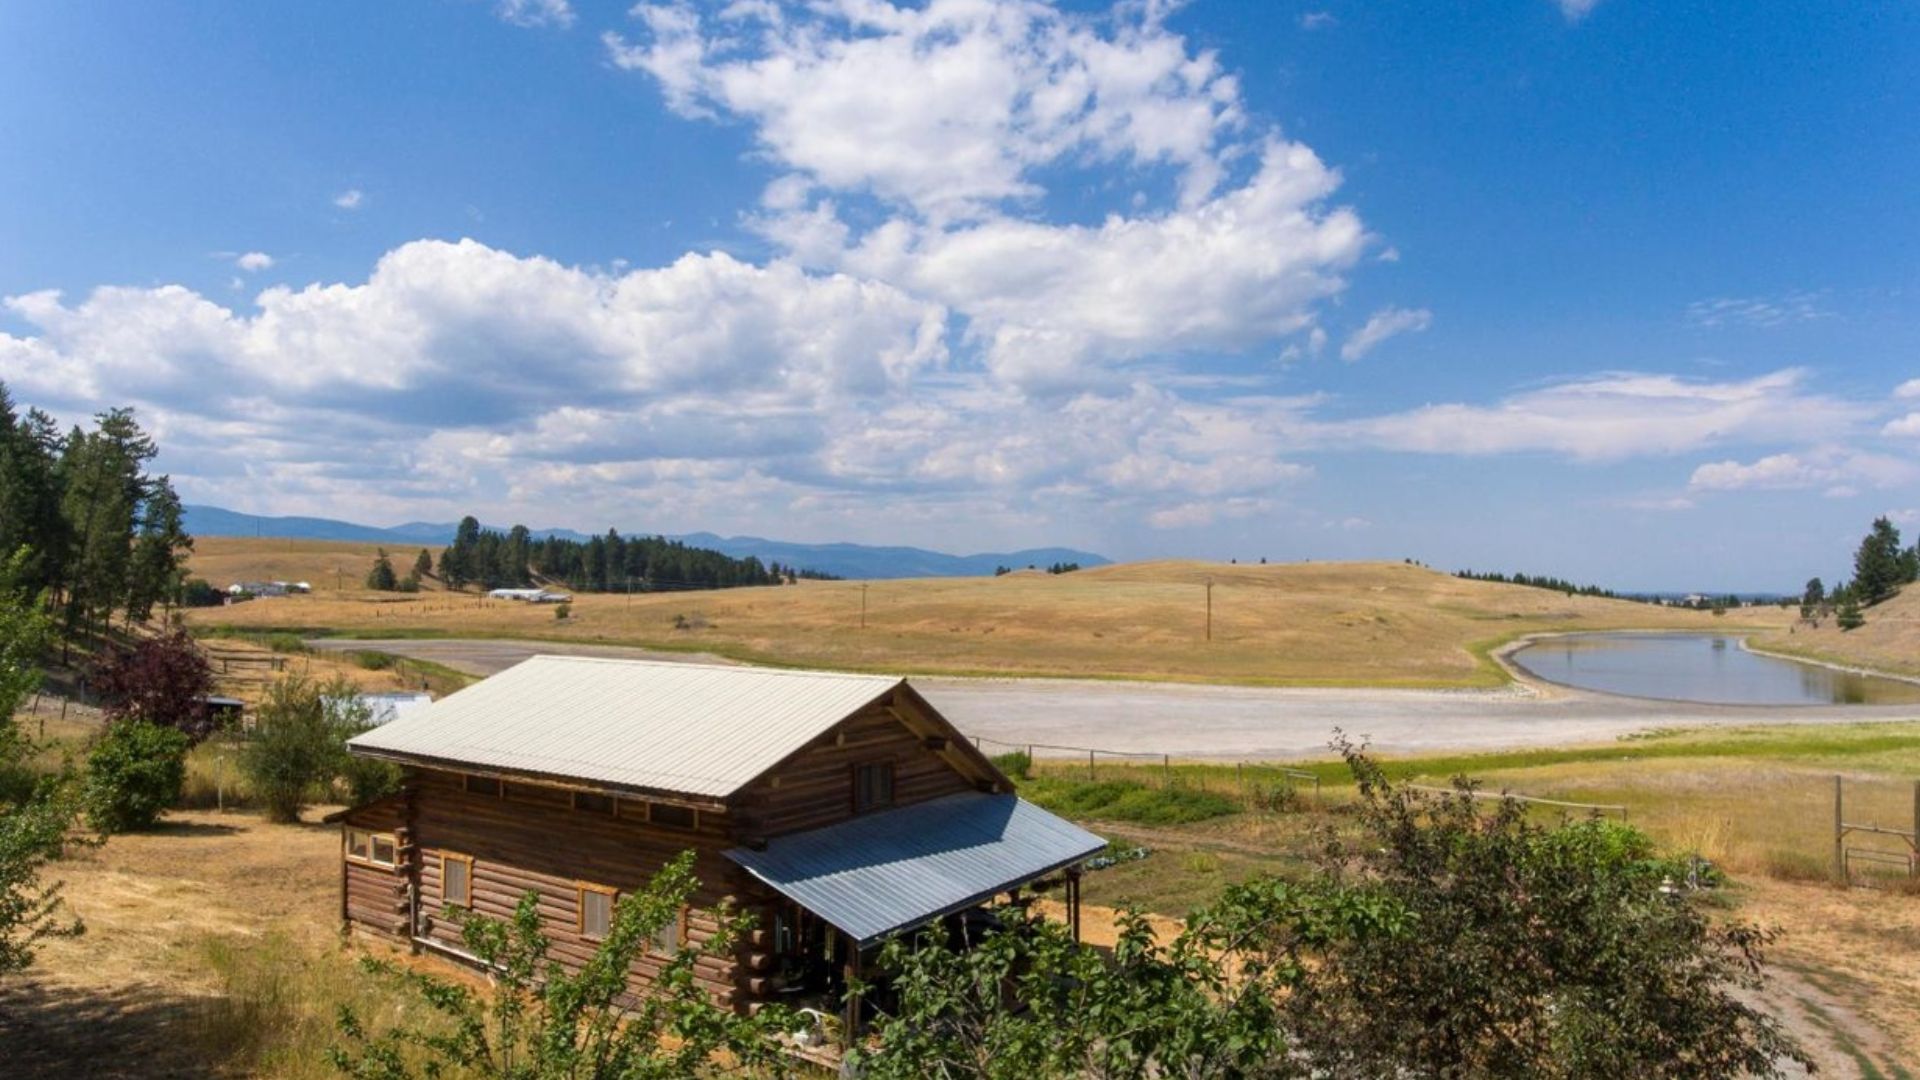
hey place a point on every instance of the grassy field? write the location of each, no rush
(213, 946)
(1374, 624)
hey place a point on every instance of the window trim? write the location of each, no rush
(893, 788)
(466, 860)
(581, 889)
(370, 835)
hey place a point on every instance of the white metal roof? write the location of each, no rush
(694, 729)
(878, 874)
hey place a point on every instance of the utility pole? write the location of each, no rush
(1209, 609)
(863, 605)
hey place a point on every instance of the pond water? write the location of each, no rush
(1707, 668)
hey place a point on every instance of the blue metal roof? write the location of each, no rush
(878, 874)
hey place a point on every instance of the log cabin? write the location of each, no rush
(838, 809)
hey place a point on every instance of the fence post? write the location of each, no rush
(1913, 846)
(1839, 829)
(1166, 769)
(1089, 765)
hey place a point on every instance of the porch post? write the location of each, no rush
(851, 1032)
(1073, 902)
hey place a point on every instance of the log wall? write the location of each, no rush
(531, 839)
(815, 787)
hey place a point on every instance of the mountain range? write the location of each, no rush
(842, 559)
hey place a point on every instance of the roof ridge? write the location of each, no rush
(755, 669)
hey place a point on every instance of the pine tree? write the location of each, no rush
(1879, 567)
(382, 578)
(423, 566)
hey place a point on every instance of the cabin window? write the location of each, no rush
(596, 911)
(872, 786)
(483, 785)
(456, 880)
(593, 804)
(371, 847)
(673, 817)
(668, 939)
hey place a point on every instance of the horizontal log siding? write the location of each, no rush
(816, 786)
(533, 840)
(376, 896)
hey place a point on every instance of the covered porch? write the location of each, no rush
(844, 889)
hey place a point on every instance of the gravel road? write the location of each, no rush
(1196, 721)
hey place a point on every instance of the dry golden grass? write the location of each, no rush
(1890, 641)
(327, 565)
(1380, 624)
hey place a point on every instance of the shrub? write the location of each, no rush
(163, 680)
(1278, 798)
(1017, 764)
(374, 661)
(368, 778)
(1128, 800)
(562, 610)
(283, 642)
(197, 592)
(298, 742)
(134, 773)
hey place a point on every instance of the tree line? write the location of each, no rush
(104, 533)
(514, 559)
(1538, 581)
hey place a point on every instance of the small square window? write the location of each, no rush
(372, 847)
(667, 941)
(673, 817)
(872, 787)
(588, 802)
(596, 911)
(483, 785)
(456, 880)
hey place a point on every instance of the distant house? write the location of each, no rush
(257, 588)
(839, 809)
(530, 596)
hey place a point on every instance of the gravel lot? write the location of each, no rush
(1193, 721)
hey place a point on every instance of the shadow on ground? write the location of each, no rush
(49, 1030)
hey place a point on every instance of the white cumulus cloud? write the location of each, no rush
(254, 261)
(535, 13)
(350, 199)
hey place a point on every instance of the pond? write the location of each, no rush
(1707, 668)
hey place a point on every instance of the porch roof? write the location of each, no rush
(878, 874)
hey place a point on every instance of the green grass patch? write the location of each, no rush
(1126, 800)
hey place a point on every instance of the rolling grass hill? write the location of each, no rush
(1374, 624)
(1890, 641)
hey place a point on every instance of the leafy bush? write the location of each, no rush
(374, 661)
(562, 610)
(134, 774)
(1127, 800)
(1016, 764)
(1277, 798)
(197, 592)
(368, 778)
(162, 680)
(298, 742)
(1563, 951)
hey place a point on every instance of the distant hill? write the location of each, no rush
(843, 560)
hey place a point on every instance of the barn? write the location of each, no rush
(839, 809)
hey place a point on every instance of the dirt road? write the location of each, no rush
(1194, 721)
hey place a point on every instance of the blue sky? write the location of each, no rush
(1618, 290)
